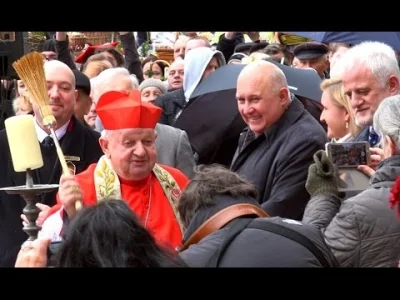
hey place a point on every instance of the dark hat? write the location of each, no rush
(310, 50)
(258, 46)
(49, 45)
(82, 82)
(243, 47)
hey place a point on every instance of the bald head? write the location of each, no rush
(265, 73)
(56, 65)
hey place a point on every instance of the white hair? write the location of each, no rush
(376, 56)
(387, 119)
(135, 81)
(107, 80)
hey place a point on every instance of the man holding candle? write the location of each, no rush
(128, 170)
(79, 144)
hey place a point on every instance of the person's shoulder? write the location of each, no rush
(309, 231)
(169, 129)
(86, 175)
(178, 175)
(91, 133)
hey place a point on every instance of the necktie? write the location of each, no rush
(373, 137)
(48, 142)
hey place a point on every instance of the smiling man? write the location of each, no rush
(127, 170)
(370, 73)
(79, 144)
(277, 147)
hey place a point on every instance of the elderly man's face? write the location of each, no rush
(150, 94)
(319, 64)
(132, 152)
(366, 92)
(175, 75)
(261, 104)
(179, 48)
(61, 90)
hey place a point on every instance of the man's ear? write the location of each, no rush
(284, 96)
(104, 144)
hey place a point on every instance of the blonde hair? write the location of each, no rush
(21, 103)
(94, 68)
(334, 87)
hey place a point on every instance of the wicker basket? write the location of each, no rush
(167, 55)
(77, 41)
(97, 38)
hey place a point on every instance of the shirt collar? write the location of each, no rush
(60, 132)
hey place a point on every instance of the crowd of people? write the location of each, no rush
(263, 193)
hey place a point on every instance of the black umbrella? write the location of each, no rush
(213, 125)
(391, 38)
(302, 82)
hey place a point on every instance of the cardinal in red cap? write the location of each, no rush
(127, 171)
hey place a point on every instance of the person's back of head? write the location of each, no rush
(387, 123)
(117, 79)
(209, 182)
(109, 234)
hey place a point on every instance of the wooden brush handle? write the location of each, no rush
(65, 169)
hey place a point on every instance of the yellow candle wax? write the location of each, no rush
(23, 143)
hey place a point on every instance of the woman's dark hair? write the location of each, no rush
(110, 235)
(209, 181)
(155, 60)
(118, 57)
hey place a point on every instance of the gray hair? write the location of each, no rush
(105, 81)
(135, 81)
(387, 119)
(376, 56)
(209, 181)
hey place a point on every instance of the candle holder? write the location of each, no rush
(30, 193)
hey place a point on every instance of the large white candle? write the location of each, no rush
(23, 142)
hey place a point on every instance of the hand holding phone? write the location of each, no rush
(349, 155)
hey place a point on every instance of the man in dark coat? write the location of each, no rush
(277, 147)
(80, 146)
(221, 196)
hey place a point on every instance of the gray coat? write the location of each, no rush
(362, 231)
(277, 161)
(174, 150)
